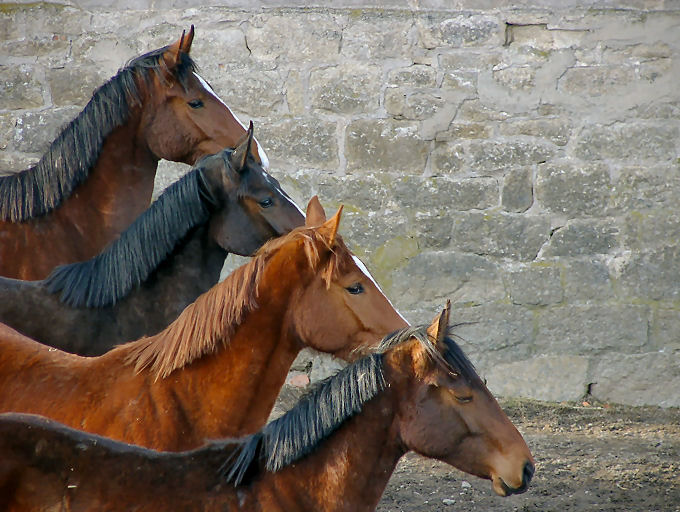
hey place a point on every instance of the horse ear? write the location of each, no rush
(183, 44)
(239, 156)
(329, 229)
(315, 215)
(437, 330)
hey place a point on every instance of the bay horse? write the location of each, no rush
(334, 451)
(170, 255)
(98, 174)
(216, 370)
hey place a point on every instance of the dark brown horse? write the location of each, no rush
(216, 370)
(335, 451)
(98, 174)
(170, 255)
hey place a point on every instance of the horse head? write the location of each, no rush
(244, 194)
(183, 118)
(447, 413)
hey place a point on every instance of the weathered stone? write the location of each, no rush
(464, 30)
(35, 131)
(73, 85)
(535, 286)
(475, 111)
(372, 35)
(295, 93)
(464, 82)
(469, 59)
(168, 173)
(21, 89)
(458, 131)
(642, 188)
(592, 329)
(42, 45)
(490, 155)
(345, 89)
(447, 158)
(587, 281)
(541, 38)
(216, 48)
(11, 162)
(413, 76)
(594, 80)
(309, 36)
(644, 231)
(628, 141)
(379, 144)
(367, 231)
(556, 131)
(574, 191)
(325, 365)
(546, 377)
(665, 331)
(652, 275)
(500, 235)
(412, 105)
(518, 191)
(258, 93)
(633, 379)
(583, 238)
(517, 78)
(309, 142)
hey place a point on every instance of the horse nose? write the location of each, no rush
(528, 474)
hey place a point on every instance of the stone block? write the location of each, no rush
(489, 155)
(214, 50)
(468, 59)
(595, 81)
(573, 191)
(651, 229)
(366, 232)
(583, 238)
(310, 36)
(477, 112)
(11, 162)
(375, 36)
(516, 78)
(21, 89)
(447, 158)
(306, 142)
(547, 377)
(557, 131)
(35, 131)
(415, 76)
(587, 281)
(376, 144)
(535, 285)
(665, 331)
(444, 194)
(296, 93)
(73, 85)
(633, 379)
(458, 131)
(345, 89)
(439, 30)
(652, 275)
(592, 329)
(518, 191)
(499, 235)
(632, 142)
(255, 92)
(644, 188)
(166, 174)
(414, 105)
(42, 46)
(460, 81)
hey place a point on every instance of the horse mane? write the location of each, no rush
(210, 321)
(327, 406)
(67, 162)
(129, 260)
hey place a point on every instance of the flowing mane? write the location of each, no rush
(327, 406)
(209, 322)
(129, 260)
(67, 163)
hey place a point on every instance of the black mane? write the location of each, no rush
(67, 163)
(128, 261)
(327, 406)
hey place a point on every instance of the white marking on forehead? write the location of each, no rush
(363, 268)
(260, 149)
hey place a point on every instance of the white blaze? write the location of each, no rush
(260, 150)
(363, 268)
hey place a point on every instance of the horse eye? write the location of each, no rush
(266, 203)
(355, 289)
(464, 399)
(196, 103)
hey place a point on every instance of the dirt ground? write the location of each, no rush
(592, 457)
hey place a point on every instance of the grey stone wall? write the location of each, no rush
(520, 158)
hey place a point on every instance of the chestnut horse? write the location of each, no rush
(217, 370)
(227, 203)
(335, 451)
(98, 174)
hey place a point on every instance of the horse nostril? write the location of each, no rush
(528, 473)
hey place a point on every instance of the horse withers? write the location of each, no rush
(98, 174)
(170, 255)
(334, 451)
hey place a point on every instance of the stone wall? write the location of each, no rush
(518, 158)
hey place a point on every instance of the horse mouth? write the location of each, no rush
(503, 489)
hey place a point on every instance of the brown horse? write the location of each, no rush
(227, 203)
(216, 370)
(98, 174)
(335, 451)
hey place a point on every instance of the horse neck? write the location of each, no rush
(347, 472)
(191, 269)
(118, 188)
